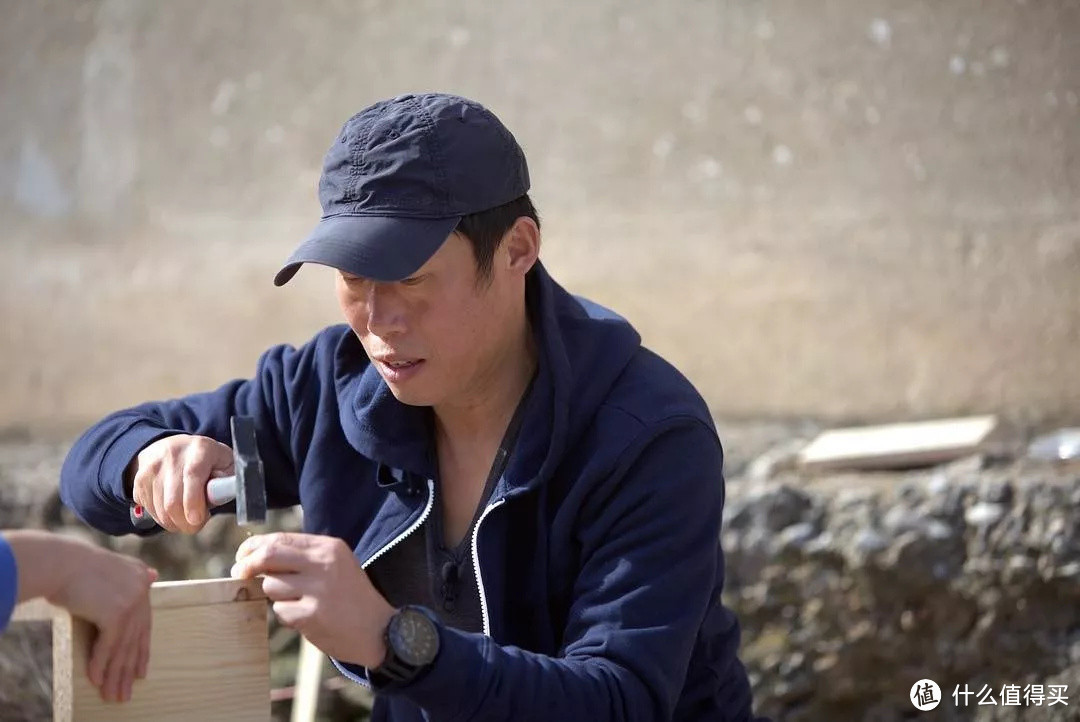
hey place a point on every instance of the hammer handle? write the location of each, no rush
(219, 490)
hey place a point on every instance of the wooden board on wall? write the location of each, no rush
(897, 445)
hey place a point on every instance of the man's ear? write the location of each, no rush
(522, 245)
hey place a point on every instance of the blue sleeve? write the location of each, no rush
(9, 583)
(651, 570)
(92, 476)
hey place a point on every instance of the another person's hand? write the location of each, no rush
(109, 590)
(319, 588)
(168, 479)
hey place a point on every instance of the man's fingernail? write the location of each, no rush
(247, 547)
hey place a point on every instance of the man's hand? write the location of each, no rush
(168, 478)
(319, 588)
(107, 589)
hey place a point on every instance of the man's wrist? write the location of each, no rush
(43, 563)
(379, 648)
(129, 477)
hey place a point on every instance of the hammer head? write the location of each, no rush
(250, 482)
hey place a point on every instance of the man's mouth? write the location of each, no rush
(397, 368)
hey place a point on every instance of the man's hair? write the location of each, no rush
(485, 230)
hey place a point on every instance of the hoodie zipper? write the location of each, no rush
(476, 565)
(387, 547)
(484, 613)
(412, 527)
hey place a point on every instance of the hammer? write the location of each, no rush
(247, 486)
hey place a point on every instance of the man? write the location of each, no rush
(109, 590)
(512, 509)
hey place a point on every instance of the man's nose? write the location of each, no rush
(385, 311)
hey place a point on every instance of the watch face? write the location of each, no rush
(414, 638)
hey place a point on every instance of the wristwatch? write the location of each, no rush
(412, 643)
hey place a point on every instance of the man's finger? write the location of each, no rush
(110, 690)
(282, 587)
(143, 662)
(284, 538)
(194, 495)
(100, 655)
(112, 686)
(209, 457)
(142, 622)
(273, 558)
(174, 506)
(158, 512)
(251, 544)
(130, 664)
(292, 614)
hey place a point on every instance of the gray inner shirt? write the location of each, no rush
(420, 569)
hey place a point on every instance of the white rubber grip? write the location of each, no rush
(221, 490)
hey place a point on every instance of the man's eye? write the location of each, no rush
(412, 280)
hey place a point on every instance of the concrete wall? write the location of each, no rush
(854, 209)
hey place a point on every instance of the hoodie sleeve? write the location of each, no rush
(651, 570)
(92, 476)
(9, 583)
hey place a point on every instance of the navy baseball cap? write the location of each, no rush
(398, 179)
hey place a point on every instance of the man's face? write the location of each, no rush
(436, 336)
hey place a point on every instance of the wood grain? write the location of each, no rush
(209, 657)
(206, 662)
(200, 592)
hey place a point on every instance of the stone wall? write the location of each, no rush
(852, 588)
(849, 587)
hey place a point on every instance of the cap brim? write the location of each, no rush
(377, 247)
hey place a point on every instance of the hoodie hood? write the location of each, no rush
(582, 349)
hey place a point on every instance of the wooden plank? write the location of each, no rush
(200, 592)
(894, 446)
(206, 662)
(35, 610)
(209, 656)
(163, 595)
(67, 665)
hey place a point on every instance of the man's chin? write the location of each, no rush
(408, 396)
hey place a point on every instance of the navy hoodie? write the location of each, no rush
(597, 557)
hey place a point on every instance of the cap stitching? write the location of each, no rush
(356, 153)
(436, 152)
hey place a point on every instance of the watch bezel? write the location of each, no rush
(404, 652)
